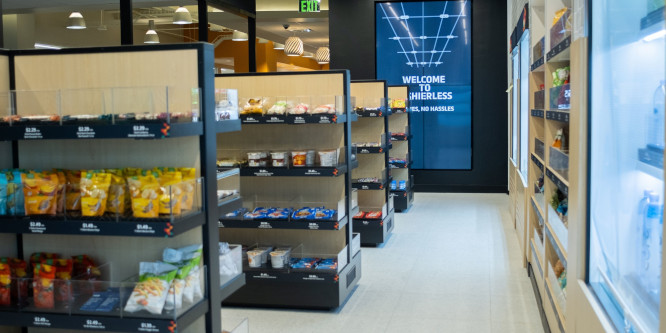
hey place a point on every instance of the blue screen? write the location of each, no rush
(427, 45)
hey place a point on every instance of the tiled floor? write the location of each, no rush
(451, 265)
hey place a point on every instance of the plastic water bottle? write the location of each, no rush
(656, 118)
(652, 239)
(641, 232)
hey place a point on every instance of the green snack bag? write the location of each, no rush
(151, 292)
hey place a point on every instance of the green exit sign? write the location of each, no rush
(308, 6)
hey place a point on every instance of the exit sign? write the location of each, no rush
(308, 6)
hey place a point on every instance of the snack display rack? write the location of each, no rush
(403, 197)
(296, 162)
(373, 176)
(121, 114)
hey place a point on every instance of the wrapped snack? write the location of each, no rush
(188, 187)
(20, 281)
(279, 214)
(73, 190)
(327, 264)
(236, 213)
(300, 108)
(4, 184)
(15, 197)
(118, 199)
(39, 191)
(303, 263)
(374, 215)
(143, 191)
(279, 108)
(303, 213)
(192, 290)
(185, 259)
(359, 215)
(323, 214)
(151, 292)
(171, 193)
(253, 106)
(43, 286)
(63, 274)
(131, 172)
(94, 192)
(38, 257)
(60, 191)
(5, 284)
(398, 103)
(324, 109)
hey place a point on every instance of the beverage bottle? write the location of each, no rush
(652, 240)
(655, 128)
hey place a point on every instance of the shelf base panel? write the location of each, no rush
(375, 232)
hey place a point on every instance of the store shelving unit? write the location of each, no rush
(550, 112)
(399, 123)
(295, 187)
(373, 126)
(192, 144)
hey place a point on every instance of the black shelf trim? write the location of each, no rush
(369, 186)
(559, 48)
(89, 227)
(282, 224)
(295, 171)
(561, 116)
(537, 64)
(294, 119)
(372, 150)
(557, 181)
(118, 131)
(537, 113)
(537, 161)
(371, 113)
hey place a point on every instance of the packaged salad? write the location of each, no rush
(151, 292)
(170, 192)
(5, 284)
(43, 286)
(143, 191)
(94, 192)
(39, 192)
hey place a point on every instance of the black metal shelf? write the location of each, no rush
(537, 64)
(371, 150)
(283, 224)
(100, 227)
(232, 286)
(537, 113)
(369, 186)
(103, 323)
(560, 51)
(537, 210)
(229, 204)
(371, 113)
(397, 110)
(559, 182)
(297, 171)
(119, 131)
(226, 126)
(561, 116)
(537, 161)
(294, 119)
(401, 140)
(374, 232)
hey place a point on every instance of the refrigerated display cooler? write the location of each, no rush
(626, 189)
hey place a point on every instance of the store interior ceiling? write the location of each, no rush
(272, 16)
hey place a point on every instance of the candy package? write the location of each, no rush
(60, 191)
(39, 192)
(43, 286)
(151, 292)
(94, 192)
(5, 284)
(143, 191)
(63, 274)
(359, 215)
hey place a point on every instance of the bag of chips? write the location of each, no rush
(118, 200)
(15, 198)
(60, 191)
(143, 191)
(188, 186)
(73, 191)
(171, 193)
(39, 192)
(185, 259)
(94, 192)
(4, 184)
(151, 292)
(43, 286)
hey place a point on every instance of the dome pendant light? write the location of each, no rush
(239, 36)
(151, 36)
(76, 21)
(278, 46)
(323, 55)
(182, 16)
(293, 47)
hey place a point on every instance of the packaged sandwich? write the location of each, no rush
(151, 292)
(43, 286)
(94, 192)
(39, 192)
(143, 191)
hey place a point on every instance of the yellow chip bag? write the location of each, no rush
(118, 200)
(94, 192)
(131, 172)
(171, 192)
(143, 191)
(188, 186)
(73, 190)
(60, 194)
(39, 192)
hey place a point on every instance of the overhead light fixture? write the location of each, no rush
(307, 30)
(293, 47)
(656, 35)
(76, 21)
(239, 36)
(278, 46)
(47, 46)
(262, 41)
(182, 16)
(308, 55)
(323, 55)
(151, 36)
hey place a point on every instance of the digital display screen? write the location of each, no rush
(427, 45)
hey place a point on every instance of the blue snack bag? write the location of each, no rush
(3, 194)
(393, 185)
(324, 214)
(403, 185)
(15, 199)
(303, 213)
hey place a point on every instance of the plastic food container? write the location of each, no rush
(328, 158)
(310, 158)
(256, 159)
(254, 258)
(278, 258)
(299, 158)
(279, 159)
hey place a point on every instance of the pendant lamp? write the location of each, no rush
(293, 47)
(239, 36)
(76, 21)
(182, 16)
(323, 55)
(151, 36)
(278, 46)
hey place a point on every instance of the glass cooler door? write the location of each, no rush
(626, 175)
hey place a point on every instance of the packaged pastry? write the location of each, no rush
(279, 108)
(15, 196)
(73, 190)
(119, 199)
(151, 292)
(303, 214)
(299, 158)
(188, 187)
(324, 109)
(328, 158)
(39, 119)
(303, 263)
(143, 191)
(94, 192)
(300, 108)
(236, 213)
(253, 106)
(323, 214)
(39, 192)
(43, 286)
(170, 192)
(279, 214)
(63, 274)
(5, 284)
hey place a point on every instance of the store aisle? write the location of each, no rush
(451, 265)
